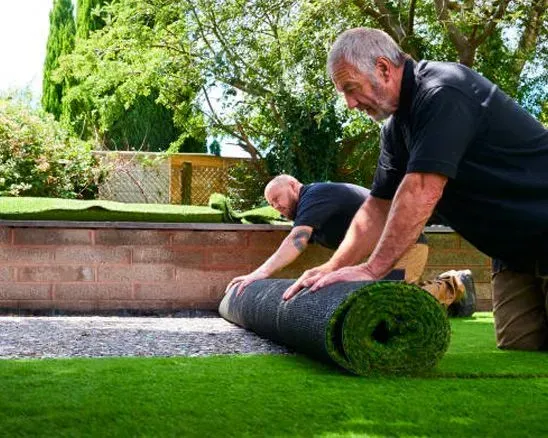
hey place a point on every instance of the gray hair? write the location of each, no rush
(360, 47)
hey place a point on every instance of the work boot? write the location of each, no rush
(464, 304)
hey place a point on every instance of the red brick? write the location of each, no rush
(443, 240)
(48, 236)
(484, 291)
(457, 258)
(79, 291)
(5, 236)
(93, 254)
(21, 291)
(266, 239)
(170, 291)
(9, 304)
(75, 305)
(202, 276)
(314, 255)
(27, 255)
(56, 273)
(132, 237)
(133, 305)
(148, 273)
(484, 305)
(237, 257)
(210, 238)
(164, 255)
(5, 273)
(35, 305)
(204, 304)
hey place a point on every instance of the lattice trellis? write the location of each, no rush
(159, 179)
(205, 181)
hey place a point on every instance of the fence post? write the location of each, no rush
(186, 183)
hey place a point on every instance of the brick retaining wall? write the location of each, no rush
(74, 267)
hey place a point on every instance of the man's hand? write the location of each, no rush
(348, 273)
(308, 278)
(245, 280)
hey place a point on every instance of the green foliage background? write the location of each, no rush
(38, 158)
(252, 72)
(60, 42)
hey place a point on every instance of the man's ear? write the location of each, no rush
(384, 68)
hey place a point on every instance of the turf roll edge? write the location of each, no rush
(367, 328)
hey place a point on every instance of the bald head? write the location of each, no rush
(282, 193)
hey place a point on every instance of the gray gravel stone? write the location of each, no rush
(96, 336)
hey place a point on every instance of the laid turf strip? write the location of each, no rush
(261, 215)
(473, 353)
(365, 327)
(256, 396)
(279, 395)
(28, 208)
(78, 210)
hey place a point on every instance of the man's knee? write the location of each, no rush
(520, 312)
(516, 339)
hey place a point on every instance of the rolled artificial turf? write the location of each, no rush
(367, 328)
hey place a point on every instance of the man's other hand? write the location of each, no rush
(245, 280)
(348, 273)
(307, 279)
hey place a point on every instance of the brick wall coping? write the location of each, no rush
(167, 226)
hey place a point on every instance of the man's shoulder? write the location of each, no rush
(451, 77)
(333, 189)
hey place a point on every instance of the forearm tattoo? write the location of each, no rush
(300, 240)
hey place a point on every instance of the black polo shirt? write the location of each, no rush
(454, 122)
(329, 209)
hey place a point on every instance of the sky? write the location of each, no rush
(24, 27)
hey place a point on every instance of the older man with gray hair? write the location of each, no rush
(455, 142)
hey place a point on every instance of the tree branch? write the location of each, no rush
(459, 40)
(244, 139)
(532, 29)
(389, 22)
(411, 18)
(491, 24)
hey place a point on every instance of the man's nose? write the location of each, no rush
(350, 101)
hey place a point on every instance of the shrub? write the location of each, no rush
(246, 183)
(38, 158)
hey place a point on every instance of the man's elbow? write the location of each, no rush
(426, 188)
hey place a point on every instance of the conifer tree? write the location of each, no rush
(60, 42)
(86, 20)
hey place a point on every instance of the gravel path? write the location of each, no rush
(46, 337)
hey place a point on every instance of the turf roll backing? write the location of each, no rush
(383, 327)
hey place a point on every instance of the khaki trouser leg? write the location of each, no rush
(520, 306)
(413, 261)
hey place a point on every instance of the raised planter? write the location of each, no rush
(147, 267)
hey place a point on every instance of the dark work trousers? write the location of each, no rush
(520, 306)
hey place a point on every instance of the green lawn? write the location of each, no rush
(477, 391)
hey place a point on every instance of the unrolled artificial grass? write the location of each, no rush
(29, 208)
(261, 215)
(365, 327)
(277, 396)
(78, 210)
